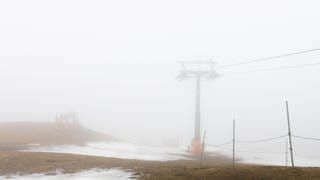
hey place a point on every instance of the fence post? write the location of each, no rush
(202, 150)
(233, 143)
(289, 133)
(286, 152)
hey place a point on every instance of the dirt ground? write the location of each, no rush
(17, 134)
(35, 162)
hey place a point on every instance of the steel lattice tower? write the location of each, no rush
(197, 74)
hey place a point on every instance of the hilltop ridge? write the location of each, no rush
(15, 134)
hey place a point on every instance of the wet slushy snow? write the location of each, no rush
(262, 154)
(110, 174)
(118, 150)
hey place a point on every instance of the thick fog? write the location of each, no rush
(115, 63)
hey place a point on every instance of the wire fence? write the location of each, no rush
(263, 140)
(222, 146)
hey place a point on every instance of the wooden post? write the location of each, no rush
(289, 133)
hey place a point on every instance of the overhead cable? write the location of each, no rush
(279, 68)
(270, 58)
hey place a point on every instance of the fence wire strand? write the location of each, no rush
(309, 138)
(263, 140)
(218, 145)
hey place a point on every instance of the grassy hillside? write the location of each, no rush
(35, 162)
(47, 133)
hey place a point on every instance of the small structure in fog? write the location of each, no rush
(67, 118)
(173, 142)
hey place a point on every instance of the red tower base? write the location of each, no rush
(196, 147)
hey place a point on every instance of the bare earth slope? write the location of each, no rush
(20, 134)
(31, 162)
(17, 134)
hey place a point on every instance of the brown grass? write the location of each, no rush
(17, 134)
(31, 162)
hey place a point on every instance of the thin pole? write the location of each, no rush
(286, 153)
(197, 113)
(289, 133)
(233, 143)
(202, 150)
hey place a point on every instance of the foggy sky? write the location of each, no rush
(114, 63)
